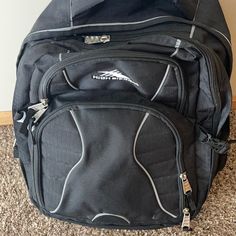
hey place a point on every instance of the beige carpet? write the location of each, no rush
(19, 217)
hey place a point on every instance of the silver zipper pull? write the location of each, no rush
(187, 189)
(36, 107)
(38, 115)
(97, 39)
(40, 109)
(186, 223)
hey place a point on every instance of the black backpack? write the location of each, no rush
(121, 110)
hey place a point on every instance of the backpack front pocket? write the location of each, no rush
(156, 77)
(114, 164)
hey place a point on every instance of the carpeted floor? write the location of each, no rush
(19, 217)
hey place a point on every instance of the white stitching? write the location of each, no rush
(74, 167)
(96, 25)
(196, 11)
(223, 36)
(66, 76)
(162, 83)
(108, 214)
(60, 57)
(145, 171)
(71, 15)
(192, 31)
(193, 28)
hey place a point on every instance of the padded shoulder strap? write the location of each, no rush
(67, 13)
(60, 13)
(80, 6)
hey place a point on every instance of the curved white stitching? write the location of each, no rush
(66, 76)
(145, 171)
(222, 35)
(162, 83)
(74, 167)
(108, 214)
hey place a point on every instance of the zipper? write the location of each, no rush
(187, 190)
(116, 37)
(143, 24)
(48, 76)
(35, 167)
(152, 111)
(214, 86)
(97, 39)
(208, 54)
(189, 204)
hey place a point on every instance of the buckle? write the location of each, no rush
(219, 146)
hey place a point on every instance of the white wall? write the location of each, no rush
(16, 20)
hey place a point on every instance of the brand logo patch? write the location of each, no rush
(113, 75)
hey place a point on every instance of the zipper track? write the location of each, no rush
(142, 108)
(35, 167)
(210, 57)
(216, 117)
(48, 76)
(152, 21)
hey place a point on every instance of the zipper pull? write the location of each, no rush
(187, 189)
(97, 39)
(217, 145)
(185, 183)
(35, 111)
(40, 109)
(36, 107)
(186, 220)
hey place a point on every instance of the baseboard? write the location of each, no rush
(6, 116)
(234, 103)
